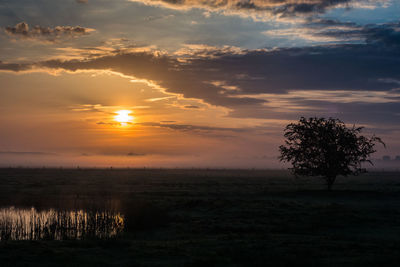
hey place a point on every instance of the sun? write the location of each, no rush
(123, 117)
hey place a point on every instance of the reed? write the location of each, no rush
(52, 224)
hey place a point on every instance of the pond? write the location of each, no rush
(52, 224)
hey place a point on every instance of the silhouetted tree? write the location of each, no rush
(326, 148)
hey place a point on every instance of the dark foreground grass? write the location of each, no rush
(212, 218)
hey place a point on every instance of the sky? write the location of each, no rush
(201, 83)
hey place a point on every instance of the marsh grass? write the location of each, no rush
(77, 217)
(52, 224)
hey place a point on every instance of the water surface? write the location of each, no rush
(52, 224)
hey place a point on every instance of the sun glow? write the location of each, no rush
(123, 117)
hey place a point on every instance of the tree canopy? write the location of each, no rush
(326, 148)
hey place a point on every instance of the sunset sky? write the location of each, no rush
(190, 83)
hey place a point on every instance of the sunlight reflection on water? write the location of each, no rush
(32, 224)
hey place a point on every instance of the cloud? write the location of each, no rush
(336, 96)
(188, 127)
(383, 35)
(387, 34)
(16, 67)
(191, 107)
(264, 8)
(249, 82)
(82, 1)
(334, 31)
(166, 72)
(98, 108)
(197, 51)
(356, 67)
(45, 34)
(321, 31)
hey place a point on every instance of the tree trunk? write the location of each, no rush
(329, 181)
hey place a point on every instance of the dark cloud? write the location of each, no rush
(340, 67)
(354, 112)
(188, 79)
(387, 34)
(280, 8)
(188, 127)
(317, 21)
(290, 8)
(22, 30)
(191, 107)
(382, 35)
(82, 1)
(117, 152)
(15, 66)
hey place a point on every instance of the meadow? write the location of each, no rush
(190, 217)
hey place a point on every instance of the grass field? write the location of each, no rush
(212, 218)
